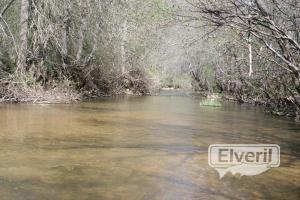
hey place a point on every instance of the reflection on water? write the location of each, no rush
(138, 148)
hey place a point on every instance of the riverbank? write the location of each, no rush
(38, 94)
(28, 89)
(56, 94)
(65, 94)
(282, 107)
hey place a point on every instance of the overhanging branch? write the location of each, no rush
(6, 7)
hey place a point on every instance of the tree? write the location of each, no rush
(23, 43)
(272, 24)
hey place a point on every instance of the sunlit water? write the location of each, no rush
(139, 148)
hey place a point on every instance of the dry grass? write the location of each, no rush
(18, 93)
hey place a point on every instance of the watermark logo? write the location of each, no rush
(243, 159)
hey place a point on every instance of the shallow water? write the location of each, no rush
(139, 148)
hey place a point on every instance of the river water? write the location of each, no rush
(139, 148)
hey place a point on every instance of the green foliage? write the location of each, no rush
(210, 103)
(209, 71)
(150, 12)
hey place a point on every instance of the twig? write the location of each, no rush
(6, 8)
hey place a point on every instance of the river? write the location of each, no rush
(139, 148)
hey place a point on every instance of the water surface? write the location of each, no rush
(139, 148)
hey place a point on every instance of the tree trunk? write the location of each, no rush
(83, 24)
(65, 38)
(250, 55)
(23, 43)
(123, 46)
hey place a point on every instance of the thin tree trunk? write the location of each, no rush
(65, 37)
(250, 50)
(23, 44)
(124, 30)
(82, 29)
(250, 56)
(80, 40)
(123, 46)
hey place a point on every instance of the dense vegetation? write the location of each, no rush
(67, 48)
(254, 50)
(248, 50)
